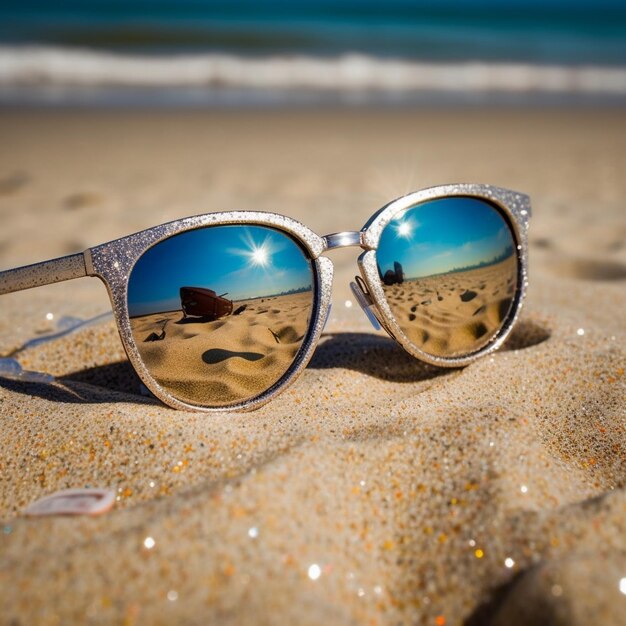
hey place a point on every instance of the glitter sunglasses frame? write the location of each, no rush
(113, 262)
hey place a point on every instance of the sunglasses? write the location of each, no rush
(223, 311)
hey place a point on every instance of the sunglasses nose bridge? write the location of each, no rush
(345, 239)
(355, 239)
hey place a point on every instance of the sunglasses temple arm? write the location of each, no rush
(45, 273)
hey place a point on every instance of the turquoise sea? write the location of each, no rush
(238, 51)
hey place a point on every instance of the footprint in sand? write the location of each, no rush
(587, 269)
(217, 355)
(468, 295)
(81, 200)
(541, 242)
(13, 183)
(477, 330)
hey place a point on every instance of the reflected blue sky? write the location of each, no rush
(243, 261)
(441, 235)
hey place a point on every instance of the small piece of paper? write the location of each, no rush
(73, 502)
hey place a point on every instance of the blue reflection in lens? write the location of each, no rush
(243, 261)
(218, 314)
(445, 235)
(449, 272)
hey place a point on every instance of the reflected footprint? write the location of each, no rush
(218, 355)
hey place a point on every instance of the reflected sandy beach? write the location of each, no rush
(454, 313)
(225, 360)
(218, 313)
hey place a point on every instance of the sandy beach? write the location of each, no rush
(376, 490)
(456, 313)
(223, 361)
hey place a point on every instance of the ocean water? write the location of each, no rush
(241, 51)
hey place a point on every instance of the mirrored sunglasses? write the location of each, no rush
(223, 311)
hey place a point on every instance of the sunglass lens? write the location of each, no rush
(449, 269)
(218, 314)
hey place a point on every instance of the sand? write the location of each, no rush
(455, 313)
(377, 489)
(227, 360)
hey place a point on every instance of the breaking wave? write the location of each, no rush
(26, 66)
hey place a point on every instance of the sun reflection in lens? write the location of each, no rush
(405, 228)
(260, 256)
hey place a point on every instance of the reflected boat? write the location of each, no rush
(202, 302)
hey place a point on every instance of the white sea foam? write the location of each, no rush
(37, 66)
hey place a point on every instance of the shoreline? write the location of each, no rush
(223, 99)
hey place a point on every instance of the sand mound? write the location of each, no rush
(457, 313)
(227, 360)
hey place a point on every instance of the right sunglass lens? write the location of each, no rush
(449, 270)
(218, 314)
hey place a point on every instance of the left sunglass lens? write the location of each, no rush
(449, 269)
(218, 314)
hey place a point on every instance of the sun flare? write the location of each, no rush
(260, 256)
(404, 229)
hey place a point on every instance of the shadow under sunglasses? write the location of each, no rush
(373, 355)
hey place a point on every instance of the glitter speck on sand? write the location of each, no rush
(314, 571)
